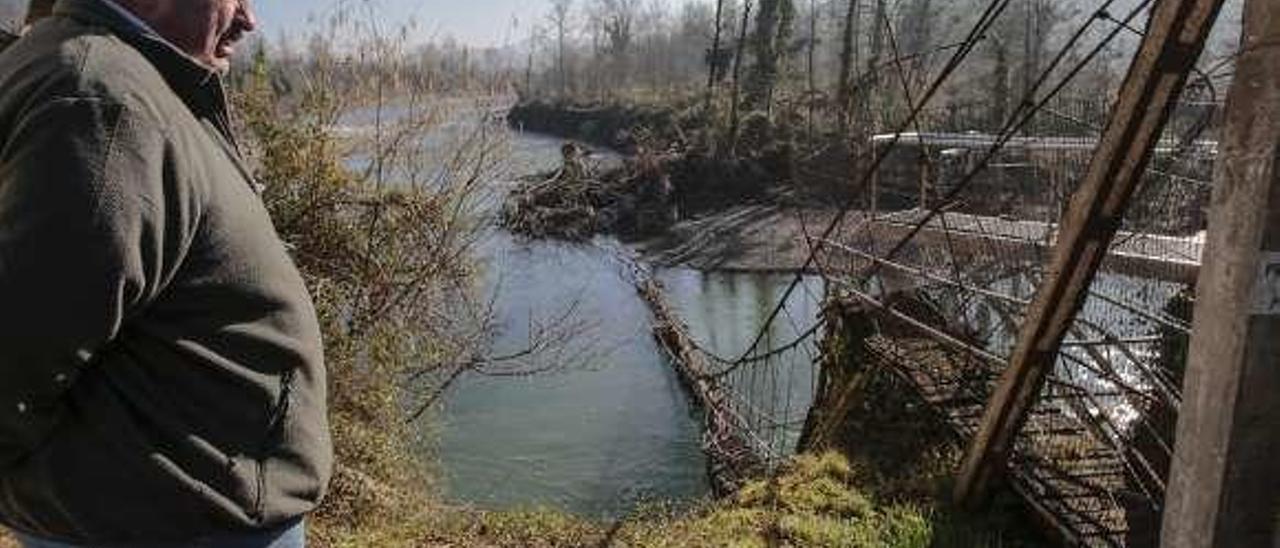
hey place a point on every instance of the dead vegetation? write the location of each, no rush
(578, 201)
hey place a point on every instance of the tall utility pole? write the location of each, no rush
(1175, 37)
(1225, 484)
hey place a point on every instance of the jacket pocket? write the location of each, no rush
(273, 439)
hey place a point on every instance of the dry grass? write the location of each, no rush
(812, 502)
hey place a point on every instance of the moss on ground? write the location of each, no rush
(907, 454)
(813, 501)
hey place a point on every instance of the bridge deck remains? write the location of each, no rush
(1062, 469)
(775, 239)
(1144, 255)
(732, 457)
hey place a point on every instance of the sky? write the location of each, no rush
(474, 22)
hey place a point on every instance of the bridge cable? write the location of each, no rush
(976, 34)
(992, 12)
(1012, 127)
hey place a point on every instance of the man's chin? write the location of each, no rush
(218, 64)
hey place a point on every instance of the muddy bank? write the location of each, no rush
(581, 200)
(749, 238)
(621, 127)
(644, 198)
(710, 167)
(682, 193)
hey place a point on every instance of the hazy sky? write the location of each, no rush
(476, 22)
(479, 22)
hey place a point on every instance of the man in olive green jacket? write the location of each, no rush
(161, 373)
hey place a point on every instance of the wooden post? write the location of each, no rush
(1174, 40)
(1225, 483)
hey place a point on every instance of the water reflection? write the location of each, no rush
(594, 440)
(600, 436)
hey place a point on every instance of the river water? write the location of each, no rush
(611, 428)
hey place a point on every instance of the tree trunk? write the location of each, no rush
(813, 43)
(873, 66)
(713, 58)
(564, 80)
(848, 58)
(737, 75)
(773, 29)
(999, 85)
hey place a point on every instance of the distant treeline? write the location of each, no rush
(833, 63)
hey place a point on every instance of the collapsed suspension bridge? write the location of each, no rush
(1032, 291)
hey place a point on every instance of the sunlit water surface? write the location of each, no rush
(612, 428)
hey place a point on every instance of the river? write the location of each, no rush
(612, 429)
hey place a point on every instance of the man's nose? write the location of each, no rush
(245, 16)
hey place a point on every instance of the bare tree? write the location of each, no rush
(614, 28)
(1029, 25)
(560, 20)
(813, 84)
(772, 34)
(999, 106)
(737, 76)
(535, 35)
(848, 60)
(690, 39)
(916, 24)
(713, 56)
(1040, 18)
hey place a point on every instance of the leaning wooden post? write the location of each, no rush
(1224, 488)
(1174, 40)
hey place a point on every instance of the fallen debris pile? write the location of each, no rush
(574, 203)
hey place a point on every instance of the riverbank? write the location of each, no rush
(812, 501)
(682, 177)
(384, 494)
(771, 230)
(749, 238)
(617, 126)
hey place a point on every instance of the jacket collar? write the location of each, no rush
(138, 24)
(200, 87)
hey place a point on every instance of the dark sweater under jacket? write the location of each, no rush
(161, 375)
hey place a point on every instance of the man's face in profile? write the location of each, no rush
(207, 30)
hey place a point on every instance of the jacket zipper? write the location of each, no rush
(274, 434)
